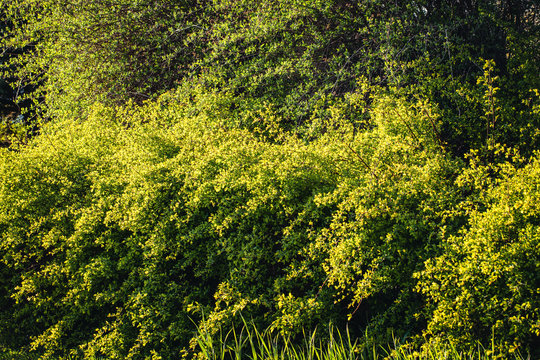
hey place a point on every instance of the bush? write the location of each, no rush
(113, 232)
(485, 285)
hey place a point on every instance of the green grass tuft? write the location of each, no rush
(250, 343)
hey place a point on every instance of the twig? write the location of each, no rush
(408, 127)
(437, 134)
(363, 161)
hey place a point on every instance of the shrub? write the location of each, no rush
(485, 284)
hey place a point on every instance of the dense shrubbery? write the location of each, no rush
(297, 163)
(486, 280)
(112, 233)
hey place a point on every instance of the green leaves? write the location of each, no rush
(485, 284)
(80, 52)
(300, 162)
(122, 228)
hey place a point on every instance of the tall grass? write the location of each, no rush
(250, 343)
